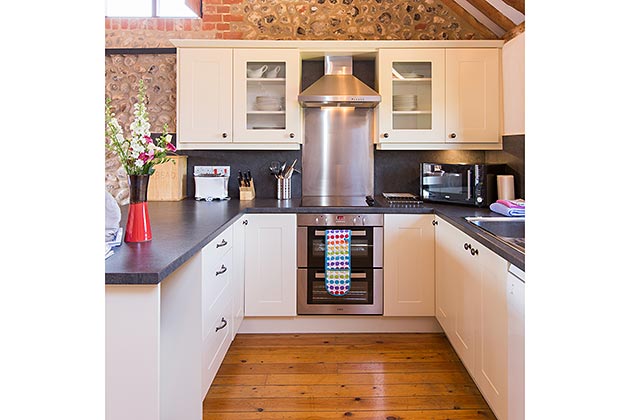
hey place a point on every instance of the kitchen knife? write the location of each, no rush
(240, 179)
(249, 178)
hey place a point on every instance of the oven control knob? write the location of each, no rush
(354, 220)
(316, 220)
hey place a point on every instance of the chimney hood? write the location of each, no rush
(338, 87)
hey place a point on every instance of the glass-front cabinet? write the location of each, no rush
(411, 83)
(266, 86)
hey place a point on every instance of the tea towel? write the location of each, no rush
(337, 263)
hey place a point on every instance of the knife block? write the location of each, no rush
(247, 193)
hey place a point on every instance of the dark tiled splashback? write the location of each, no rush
(394, 170)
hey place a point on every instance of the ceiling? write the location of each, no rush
(495, 18)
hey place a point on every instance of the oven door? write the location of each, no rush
(366, 246)
(365, 296)
(449, 183)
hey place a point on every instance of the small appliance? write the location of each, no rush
(469, 184)
(211, 182)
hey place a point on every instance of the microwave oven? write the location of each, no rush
(468, 184)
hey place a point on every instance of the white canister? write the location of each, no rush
(505, 187)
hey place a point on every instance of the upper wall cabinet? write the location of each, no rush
(266, 86)
(439, 98)
(238, 99)
(411, 84)
(204, 97)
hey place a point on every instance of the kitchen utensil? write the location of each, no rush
(274, 167)
(289, 171)
(284, 165)
(273, 73)
(256, 73)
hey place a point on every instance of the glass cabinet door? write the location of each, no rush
(266, 84)
(411, 83)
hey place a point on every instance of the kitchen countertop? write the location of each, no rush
(181, 229)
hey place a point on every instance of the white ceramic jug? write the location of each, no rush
(273, 73)
(256, 73)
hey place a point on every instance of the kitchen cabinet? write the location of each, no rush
(411, 84)
(473, 88)
(266, 109)
(516, 343)
(439, 98)
(471, 307)
(222, 105)
(408, 266)
(270, 266)
(217, 296)
(204, 97)
(153, 347)
(513, 55)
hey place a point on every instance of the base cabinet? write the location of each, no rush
(270, 267)
(408, 265)
(471, 307)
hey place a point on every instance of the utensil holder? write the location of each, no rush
(283, 188)
(247, 193)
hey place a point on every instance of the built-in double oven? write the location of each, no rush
(365, 296)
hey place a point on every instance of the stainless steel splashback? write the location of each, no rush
(338, 154)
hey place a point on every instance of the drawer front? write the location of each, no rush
(215, 289)
(219, 245)
(215, 344)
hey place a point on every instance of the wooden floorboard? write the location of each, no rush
(343, 376)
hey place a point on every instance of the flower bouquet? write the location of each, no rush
(138, 154)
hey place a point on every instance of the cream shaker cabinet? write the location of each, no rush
(270, 266)
(411, 84)
(439, 98)
(238, 98)
(471, 307)
(408, 272)
(266, 86)
(473, 95)
(204, 97)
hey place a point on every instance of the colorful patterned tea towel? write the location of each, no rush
(337, 262)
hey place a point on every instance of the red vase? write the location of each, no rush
(138, 223)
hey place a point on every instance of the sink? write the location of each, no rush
(510, 230)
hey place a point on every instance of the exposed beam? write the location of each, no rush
(515, 31)
(493, 14)
(470, 19)
(517, 4)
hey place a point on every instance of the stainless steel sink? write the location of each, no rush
(510, 230)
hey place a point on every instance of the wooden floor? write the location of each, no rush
(343, 376)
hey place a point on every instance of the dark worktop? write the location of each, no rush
(181, 229)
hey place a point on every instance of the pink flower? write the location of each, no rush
(170, 147)
(145, 157)
(148, 139)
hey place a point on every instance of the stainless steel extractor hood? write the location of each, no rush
(338, 87)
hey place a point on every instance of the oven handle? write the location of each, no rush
(354, 233)
(470, 181)
(352, 275)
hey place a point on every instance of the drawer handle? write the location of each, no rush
(352, 275)
(223, 243)
(223, 325)
(474, 251)
(222, 270)
(354, 233)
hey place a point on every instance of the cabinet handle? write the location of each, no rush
(223, 325)
(434, 222)
(245, 222)
(224, 135)
(474, 251)
(223, 243)
(292, 135)
(452, 135)
(386, 135)
(222, 270)
(466, 246)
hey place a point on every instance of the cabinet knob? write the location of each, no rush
(292, 135)
(466, 246)
(452, 135)
(474, 251)
(386, 135)
(245, 222)
(224, 135)
(223, 243)
(434, 222)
